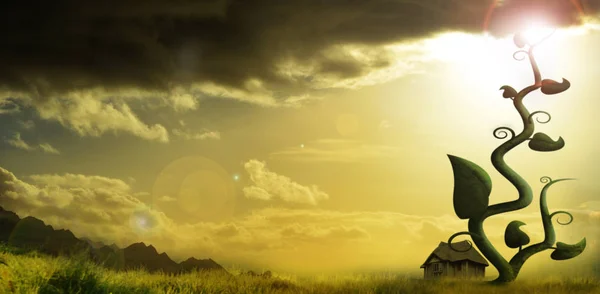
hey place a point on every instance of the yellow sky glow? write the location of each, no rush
(358, 176)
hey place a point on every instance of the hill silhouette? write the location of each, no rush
(31, 233)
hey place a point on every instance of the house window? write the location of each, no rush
(437, 270)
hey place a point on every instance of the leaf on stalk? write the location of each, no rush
(566, 251)
(472, 188)
(513, 236)
(509, 92)
(550, 87)
(542, 142)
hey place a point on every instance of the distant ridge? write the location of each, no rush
(32, 233)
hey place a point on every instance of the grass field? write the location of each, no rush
(34, 273)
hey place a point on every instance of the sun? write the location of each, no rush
(536, 32)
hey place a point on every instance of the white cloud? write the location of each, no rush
(268, 185)
(80, 181)
(255, 192)
(18, 142)
(104, 209)
(332, 150)
(90, 206)
(188, 135)
(182, 100)
(89, 115)
(47, 148)
(166, 198)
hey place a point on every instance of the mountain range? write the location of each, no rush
(31, 233)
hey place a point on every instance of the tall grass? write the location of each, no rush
(29, 272)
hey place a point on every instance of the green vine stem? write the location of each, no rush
(509, 270)
(506, 273)
(549, 235)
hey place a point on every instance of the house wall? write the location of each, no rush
(431, 273)
(472, 269)
(460, 269)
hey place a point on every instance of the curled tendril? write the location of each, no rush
(502, 133)
(545, 179)
(516, 55)
(563, 212)
(458, 234)
(530, 118)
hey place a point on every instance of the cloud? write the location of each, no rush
(88, 115)
(18, 142)
(88, 205)
(266, 52)
(95, 61)
(299, 232)
(268, 185)
(333, 150)
(167, 198)
(47, 148)
(8, 106)
(188, 135)
(80, 181)
(593, 205)
(105, 209)
(254, 192)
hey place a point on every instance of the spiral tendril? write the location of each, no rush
(516, 57)
(545, 179)
(530, 118)
(458, 234)
(562, 212)
(502, 133)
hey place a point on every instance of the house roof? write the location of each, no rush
(444, 252)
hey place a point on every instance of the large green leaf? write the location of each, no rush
(566, 251)
(550, 87)
(542, 142)
(513, 236)
(472, 188)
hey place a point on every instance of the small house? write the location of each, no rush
(445, 262)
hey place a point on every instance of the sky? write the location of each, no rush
(296, 136)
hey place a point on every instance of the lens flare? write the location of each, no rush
(198, 189)
(143, 222)
(499, 3)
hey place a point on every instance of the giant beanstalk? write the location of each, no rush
(472, 184)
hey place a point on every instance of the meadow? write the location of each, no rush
(30, 272)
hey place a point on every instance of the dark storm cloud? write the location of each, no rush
(49, 48)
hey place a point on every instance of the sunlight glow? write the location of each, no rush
(142, 222)
(536, 32)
